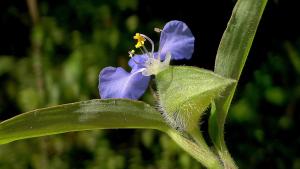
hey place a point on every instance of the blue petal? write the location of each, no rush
(177, 39)
(117, 83)
(137, 62)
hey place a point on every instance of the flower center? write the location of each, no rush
(153, 65)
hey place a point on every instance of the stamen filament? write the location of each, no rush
(152, 44)
(146, 51)
(142, 50)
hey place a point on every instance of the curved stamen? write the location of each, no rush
(146, 51)
(152, 44)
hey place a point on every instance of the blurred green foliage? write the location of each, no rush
(265, 115)
(60, 62)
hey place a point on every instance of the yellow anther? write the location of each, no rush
(140, 40)
(131, 53)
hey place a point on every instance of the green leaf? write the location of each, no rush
(231, 56)
(98, 114)
(238, 37)
(186, 92)
(86, 115)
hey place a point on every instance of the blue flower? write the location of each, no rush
(176, 42)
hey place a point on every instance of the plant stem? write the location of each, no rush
(36, 45)
(199, 150)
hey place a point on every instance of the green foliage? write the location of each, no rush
(86, 115)
(265, 114)
(6, 64)
(231, 57)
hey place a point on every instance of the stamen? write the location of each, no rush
(158, 30)
(140, 40)
(145, 51)
(152, 44)
(131, 53)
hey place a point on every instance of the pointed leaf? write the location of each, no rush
(231, 57)
(86, 115)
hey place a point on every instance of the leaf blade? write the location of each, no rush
(231, 57)
(238, 37)
(86, 115)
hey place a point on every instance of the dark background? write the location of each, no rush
(262, 127)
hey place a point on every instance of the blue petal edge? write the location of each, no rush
(117, 83)
(177, 38)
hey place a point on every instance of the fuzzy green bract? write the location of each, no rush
(186, 92)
